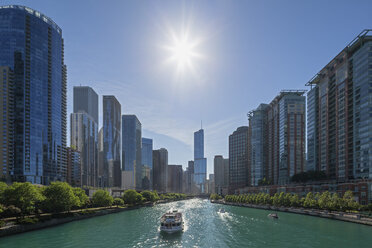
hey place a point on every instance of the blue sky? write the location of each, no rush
(250, 51)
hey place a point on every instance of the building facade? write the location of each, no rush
(286, 136)
(238, 159)
(32, 47)
(160, 165)
(74, 175)
(200, 162)
(86, 100)
(258, 144)
(175, 174)
(147, 160)
(6, 124)
(132, 148)
(221, 174)
(341, 100)
(111, 142)
(84, 138)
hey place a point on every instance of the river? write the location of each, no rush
(204, 227)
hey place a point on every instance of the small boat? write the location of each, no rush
(171, 222)
(273, 215)
(222, 210)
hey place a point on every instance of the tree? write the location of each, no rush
(310, 201)
(348, 201)
(148, 195)
(82, 198)
(102, 198)
(23, 196)
(118, 202)
(132, 197)
(59, 197)
(295, 200)
(324, 200)
(3, 186)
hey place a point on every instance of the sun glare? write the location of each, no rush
(182, 52)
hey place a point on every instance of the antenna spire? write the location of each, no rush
(201, 124)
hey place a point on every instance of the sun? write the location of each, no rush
(183, 51)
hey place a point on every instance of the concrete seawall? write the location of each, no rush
(342, 216)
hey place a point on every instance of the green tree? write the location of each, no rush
(310, 201)
(295, 200)
(102, 198)
(132, 197)
(59, 197)
(148, 196)
(324, 200)
(118, 202)
(3, 186)
(23, 196)
(348, 201)
(82, 198)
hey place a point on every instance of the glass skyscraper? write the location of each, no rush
(84, 133)
(258, 144)
(86, 99)
(131, 148)
(147, 161)
(200, 163)
(111, 142)
(31, 45)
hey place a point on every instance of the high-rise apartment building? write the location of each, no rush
(238, 159)
(147, 161)
(286, 136)
(200, 163)
(31, 45)
(160, 166)
(132, 148)
(111, 142)
(221, 174)
(339, 113)
(257, 144)
(86, 100)
(6, 124)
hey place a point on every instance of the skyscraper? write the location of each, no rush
(221, 174)
(175, 174)
(84, 138)
(86, 100)
(147, 161)
(160, 165)
(6, 123)
(31, 45)
(200, 163)
(131, 148)
(111, 141)
(286, 136)
(339, 113)
(258, 144)
(238, 159)
(73, 167)
(84, 133)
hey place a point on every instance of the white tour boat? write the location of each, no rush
(171, 222)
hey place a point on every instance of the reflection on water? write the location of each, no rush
(205, 226)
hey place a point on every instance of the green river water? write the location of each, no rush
(204, 227)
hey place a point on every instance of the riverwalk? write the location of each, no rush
(342, 216)
(50, 220)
